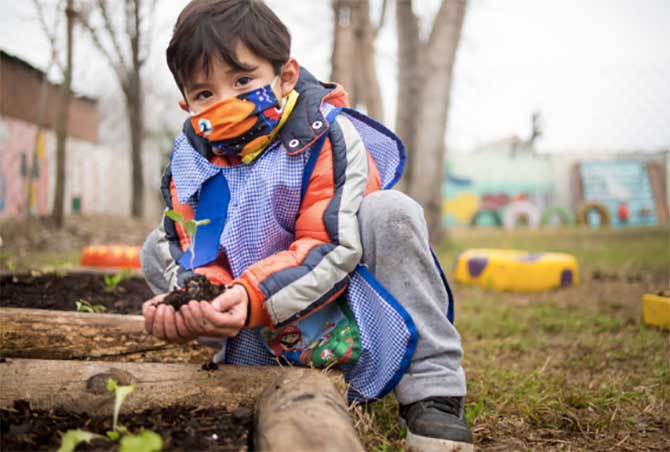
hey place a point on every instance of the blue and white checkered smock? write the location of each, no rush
(265, 199)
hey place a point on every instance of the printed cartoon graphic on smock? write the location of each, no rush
(329, 336)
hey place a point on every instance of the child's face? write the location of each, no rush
(224, 81)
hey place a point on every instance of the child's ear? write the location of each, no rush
(289, 75)
(183, 106)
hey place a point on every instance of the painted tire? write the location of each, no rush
(111, 256)
(563, 214)
(656, 309)
(518, 209)
(516, 271)
(493, 214)
(601, 209)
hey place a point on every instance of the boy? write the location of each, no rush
(322, 265)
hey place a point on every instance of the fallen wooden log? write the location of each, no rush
(40, 333)
(302, 410)
(79, 386)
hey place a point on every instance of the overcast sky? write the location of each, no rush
(598, 70)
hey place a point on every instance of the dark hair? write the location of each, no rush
(206, 29)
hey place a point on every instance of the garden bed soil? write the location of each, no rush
(61, 291)
(198, 287)
(181, 427)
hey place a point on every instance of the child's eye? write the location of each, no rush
(242, 81)
(203, 95)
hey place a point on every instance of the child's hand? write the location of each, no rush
(164, 323)
(225, 316)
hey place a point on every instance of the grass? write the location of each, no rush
(573, 369)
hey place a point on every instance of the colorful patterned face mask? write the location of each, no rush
(244, 125)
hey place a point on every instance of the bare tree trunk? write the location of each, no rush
(368, 84)
(129, 77)
(344, 48)
(58, 213)
(425, 75)
(410, 50)
(135, 117)
(426, 185)
(352, 60)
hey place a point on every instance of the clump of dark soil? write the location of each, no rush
(181, 427)
(198, 287)
(60, 292)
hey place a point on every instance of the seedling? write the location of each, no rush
(190, 226)
(86, 306)
(112, 281)
(73, 438)
(146, 441)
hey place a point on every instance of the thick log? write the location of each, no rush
(40, 333)
(302, 410)
(79, 386)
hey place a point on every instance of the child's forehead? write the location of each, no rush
(215, 65)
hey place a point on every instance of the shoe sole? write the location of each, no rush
(420, 443)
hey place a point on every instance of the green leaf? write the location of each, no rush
(147, 441)
(114, 436)
(176, 216)
(83, 306)
(111, 385)
(190, 227)
(72, 438)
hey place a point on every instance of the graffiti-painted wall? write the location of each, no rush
(97, 178)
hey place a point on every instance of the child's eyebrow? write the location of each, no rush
(196, 86)
(233, 70)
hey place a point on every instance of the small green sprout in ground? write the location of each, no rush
(120, 394)
(86, 306)
(73, 438)
(145, 441)
(112, 281)
(190, 226)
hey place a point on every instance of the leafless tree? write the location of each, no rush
(425, 69)
(58, 213)
(111, 42)
(353, 54)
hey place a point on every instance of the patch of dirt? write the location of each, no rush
(60, 292)
(181, 427)
(198, 287)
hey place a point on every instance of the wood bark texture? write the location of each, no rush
(40, 333)
(79, 386)
(302, 410)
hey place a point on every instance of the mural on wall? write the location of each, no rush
(496, 189)
(623, 188)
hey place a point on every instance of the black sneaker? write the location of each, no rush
(436, 424)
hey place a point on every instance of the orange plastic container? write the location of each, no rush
(111, 256)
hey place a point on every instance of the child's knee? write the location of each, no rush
(153, 265)
(390, 207)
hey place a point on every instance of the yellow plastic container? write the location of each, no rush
(516, 271)
(656, 309)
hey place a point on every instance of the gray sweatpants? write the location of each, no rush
(396, 250)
